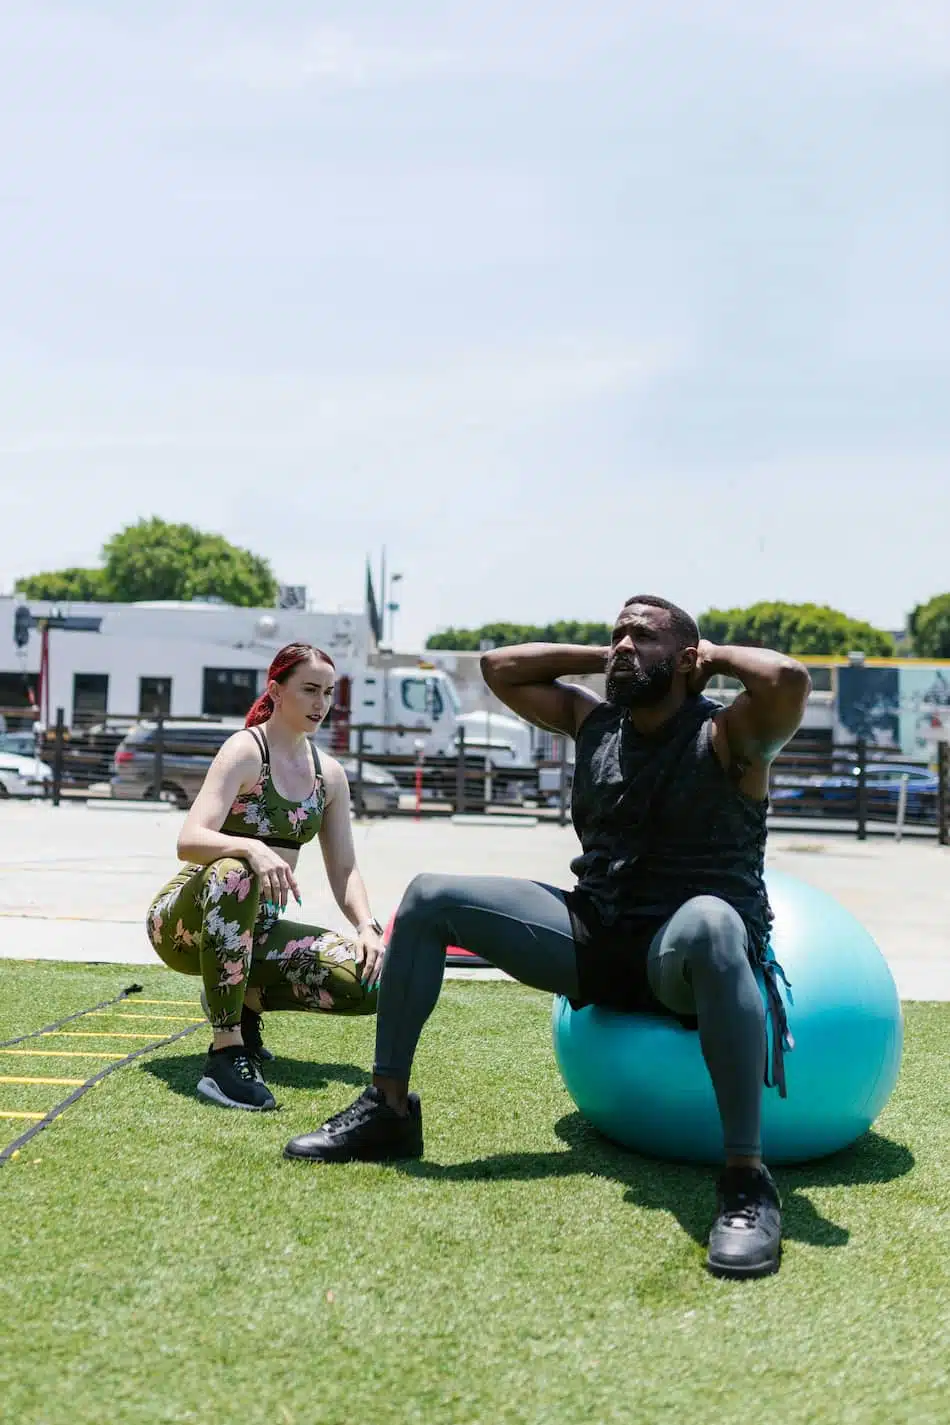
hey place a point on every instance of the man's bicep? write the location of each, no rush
(759, 733)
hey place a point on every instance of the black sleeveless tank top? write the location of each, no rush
(660, 820)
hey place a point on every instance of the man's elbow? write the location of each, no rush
(489, 664)
(794, 680)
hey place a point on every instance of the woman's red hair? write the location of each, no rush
(289, 657)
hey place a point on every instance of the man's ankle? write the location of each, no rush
(394, 1091)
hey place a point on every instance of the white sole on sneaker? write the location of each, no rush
(212, 1093)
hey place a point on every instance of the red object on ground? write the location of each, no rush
(454, 954)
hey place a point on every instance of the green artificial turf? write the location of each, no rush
(159, 1261)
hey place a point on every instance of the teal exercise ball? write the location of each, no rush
(642, 1081)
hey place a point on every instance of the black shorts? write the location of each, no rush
(612, 961)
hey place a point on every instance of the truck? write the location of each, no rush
(399, 717)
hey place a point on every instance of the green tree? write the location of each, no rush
(796, 628)
(156, 560)
(469, 640)
(930, 628)
(61, 585)
(791, 628)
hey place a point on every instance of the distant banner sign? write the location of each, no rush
(292, 596)
(903, 710)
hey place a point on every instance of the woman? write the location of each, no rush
(267, 793)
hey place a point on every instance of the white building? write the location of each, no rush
(182, 659)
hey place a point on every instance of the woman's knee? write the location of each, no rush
(345, 994)
(231, 876)
(229, 866)
(366, 1003)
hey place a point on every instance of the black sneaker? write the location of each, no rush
(251, 1033)
(369, 1130)
(230, 1079)
(746, 1237)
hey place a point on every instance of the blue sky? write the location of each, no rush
(560, 302)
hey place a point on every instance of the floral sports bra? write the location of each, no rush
(262, 813)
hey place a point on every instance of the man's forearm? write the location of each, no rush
(541, 662)
(761, 671)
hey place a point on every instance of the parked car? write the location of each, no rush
(829, 793)
(188, 749)
(22, 744)
(380, 788)
(24, 776)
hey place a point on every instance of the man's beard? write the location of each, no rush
(634, 688)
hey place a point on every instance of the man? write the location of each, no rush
(670, 910)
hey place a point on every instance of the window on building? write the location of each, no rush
(228, 692)
(90, 698)
(15, 690)
(155, 696)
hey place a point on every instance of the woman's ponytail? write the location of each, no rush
(260, 711)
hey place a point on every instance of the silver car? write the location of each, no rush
(188, 749)
(23, 776)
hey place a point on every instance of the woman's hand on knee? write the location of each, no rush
(370, 953)
(277, 880)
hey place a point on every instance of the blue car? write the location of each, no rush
(828, 793)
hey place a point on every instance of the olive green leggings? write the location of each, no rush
(210, 921)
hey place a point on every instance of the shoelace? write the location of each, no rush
(347, 1117)
(243, 1067)
(741, 1210)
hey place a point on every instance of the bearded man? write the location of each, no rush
(669, 914)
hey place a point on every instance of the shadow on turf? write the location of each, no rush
(181, 1073)
(683, 1188)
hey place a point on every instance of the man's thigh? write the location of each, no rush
(522, 927)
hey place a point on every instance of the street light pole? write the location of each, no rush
(393, 608)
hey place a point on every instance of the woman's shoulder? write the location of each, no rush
(241, 749)
(327, 767)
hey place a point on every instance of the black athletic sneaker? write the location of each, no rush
(746, 1237)
(369, 1130)
(231, 1080)
(251, 1033)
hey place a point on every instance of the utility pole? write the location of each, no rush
(24, 620)
(393, 608)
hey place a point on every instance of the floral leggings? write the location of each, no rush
(210, 921)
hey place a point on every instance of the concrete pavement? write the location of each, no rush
(75, 881)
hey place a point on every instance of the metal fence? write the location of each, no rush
(859, 789)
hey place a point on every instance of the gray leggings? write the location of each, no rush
(698, 965)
